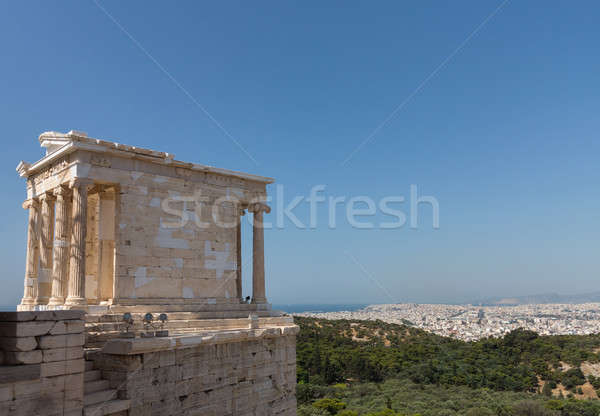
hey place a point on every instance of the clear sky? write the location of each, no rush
(497, 118)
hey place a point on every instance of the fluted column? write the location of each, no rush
(60, 249)
(76, 293)
(258, 252)
(31, 264)
(46, 237)
(238, 279)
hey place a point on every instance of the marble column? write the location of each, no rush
(238, 277)
(32, 259)
(258, 252)
(76, 292)
(60, 249)
(106, 242)
(46, 237)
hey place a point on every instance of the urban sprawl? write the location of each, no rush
(470, 322)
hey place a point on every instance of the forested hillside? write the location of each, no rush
(354, 362)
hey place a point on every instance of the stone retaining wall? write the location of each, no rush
(41, 363)
(251, 374)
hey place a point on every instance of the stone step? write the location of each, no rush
(96, 385)
(178, 324)
(91, 353)
(89, 365)
(170, 307)
(99, 339)
(99, 397)
(107, 408)
(92, 375)
(227, 314)
(172, 323)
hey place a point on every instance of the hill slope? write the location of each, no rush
(331, 351)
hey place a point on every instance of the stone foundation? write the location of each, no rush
(41, 372)
(238, 372)
(219, 367)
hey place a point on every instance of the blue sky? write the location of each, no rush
(504, 134)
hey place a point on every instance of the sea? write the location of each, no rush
(318, 308)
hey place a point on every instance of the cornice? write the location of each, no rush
(78, 141)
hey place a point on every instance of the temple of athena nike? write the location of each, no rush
(118, 236)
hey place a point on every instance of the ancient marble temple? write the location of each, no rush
(114, 225)
(133, 300)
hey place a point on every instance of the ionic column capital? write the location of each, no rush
(258, 207)
(101, 187)
(47, 197)
(61, 191)
(31, 203)
(80, 183)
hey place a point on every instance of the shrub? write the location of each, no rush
(532, 408)
(311, 411)
(330, 405)
(347, 412)
(479, 411)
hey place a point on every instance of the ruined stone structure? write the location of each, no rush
(42, 370)
(115, 228)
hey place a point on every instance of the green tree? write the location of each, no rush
(347, 412)
(479, 411)
(547, 390)
(311, 411)
(330, 405)
(532, 408)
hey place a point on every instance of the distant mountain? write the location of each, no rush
(540, 299)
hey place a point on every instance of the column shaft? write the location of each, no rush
(46, 237)
(238, 280)
(60, 249)
(258, 255)
(32, 259)
(76, 292)
(106, 250)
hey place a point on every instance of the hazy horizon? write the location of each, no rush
(363, 304)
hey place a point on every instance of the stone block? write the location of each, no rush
(68, 327)
(70, 385)
(60, 354)
(26, 407)
(166, 358)
(18, 316)
(62, 367)
(61, 341)
(7, 392)
(17, 373)
(41, 315)
(23, 357)
(25, 329)
(28, 389)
